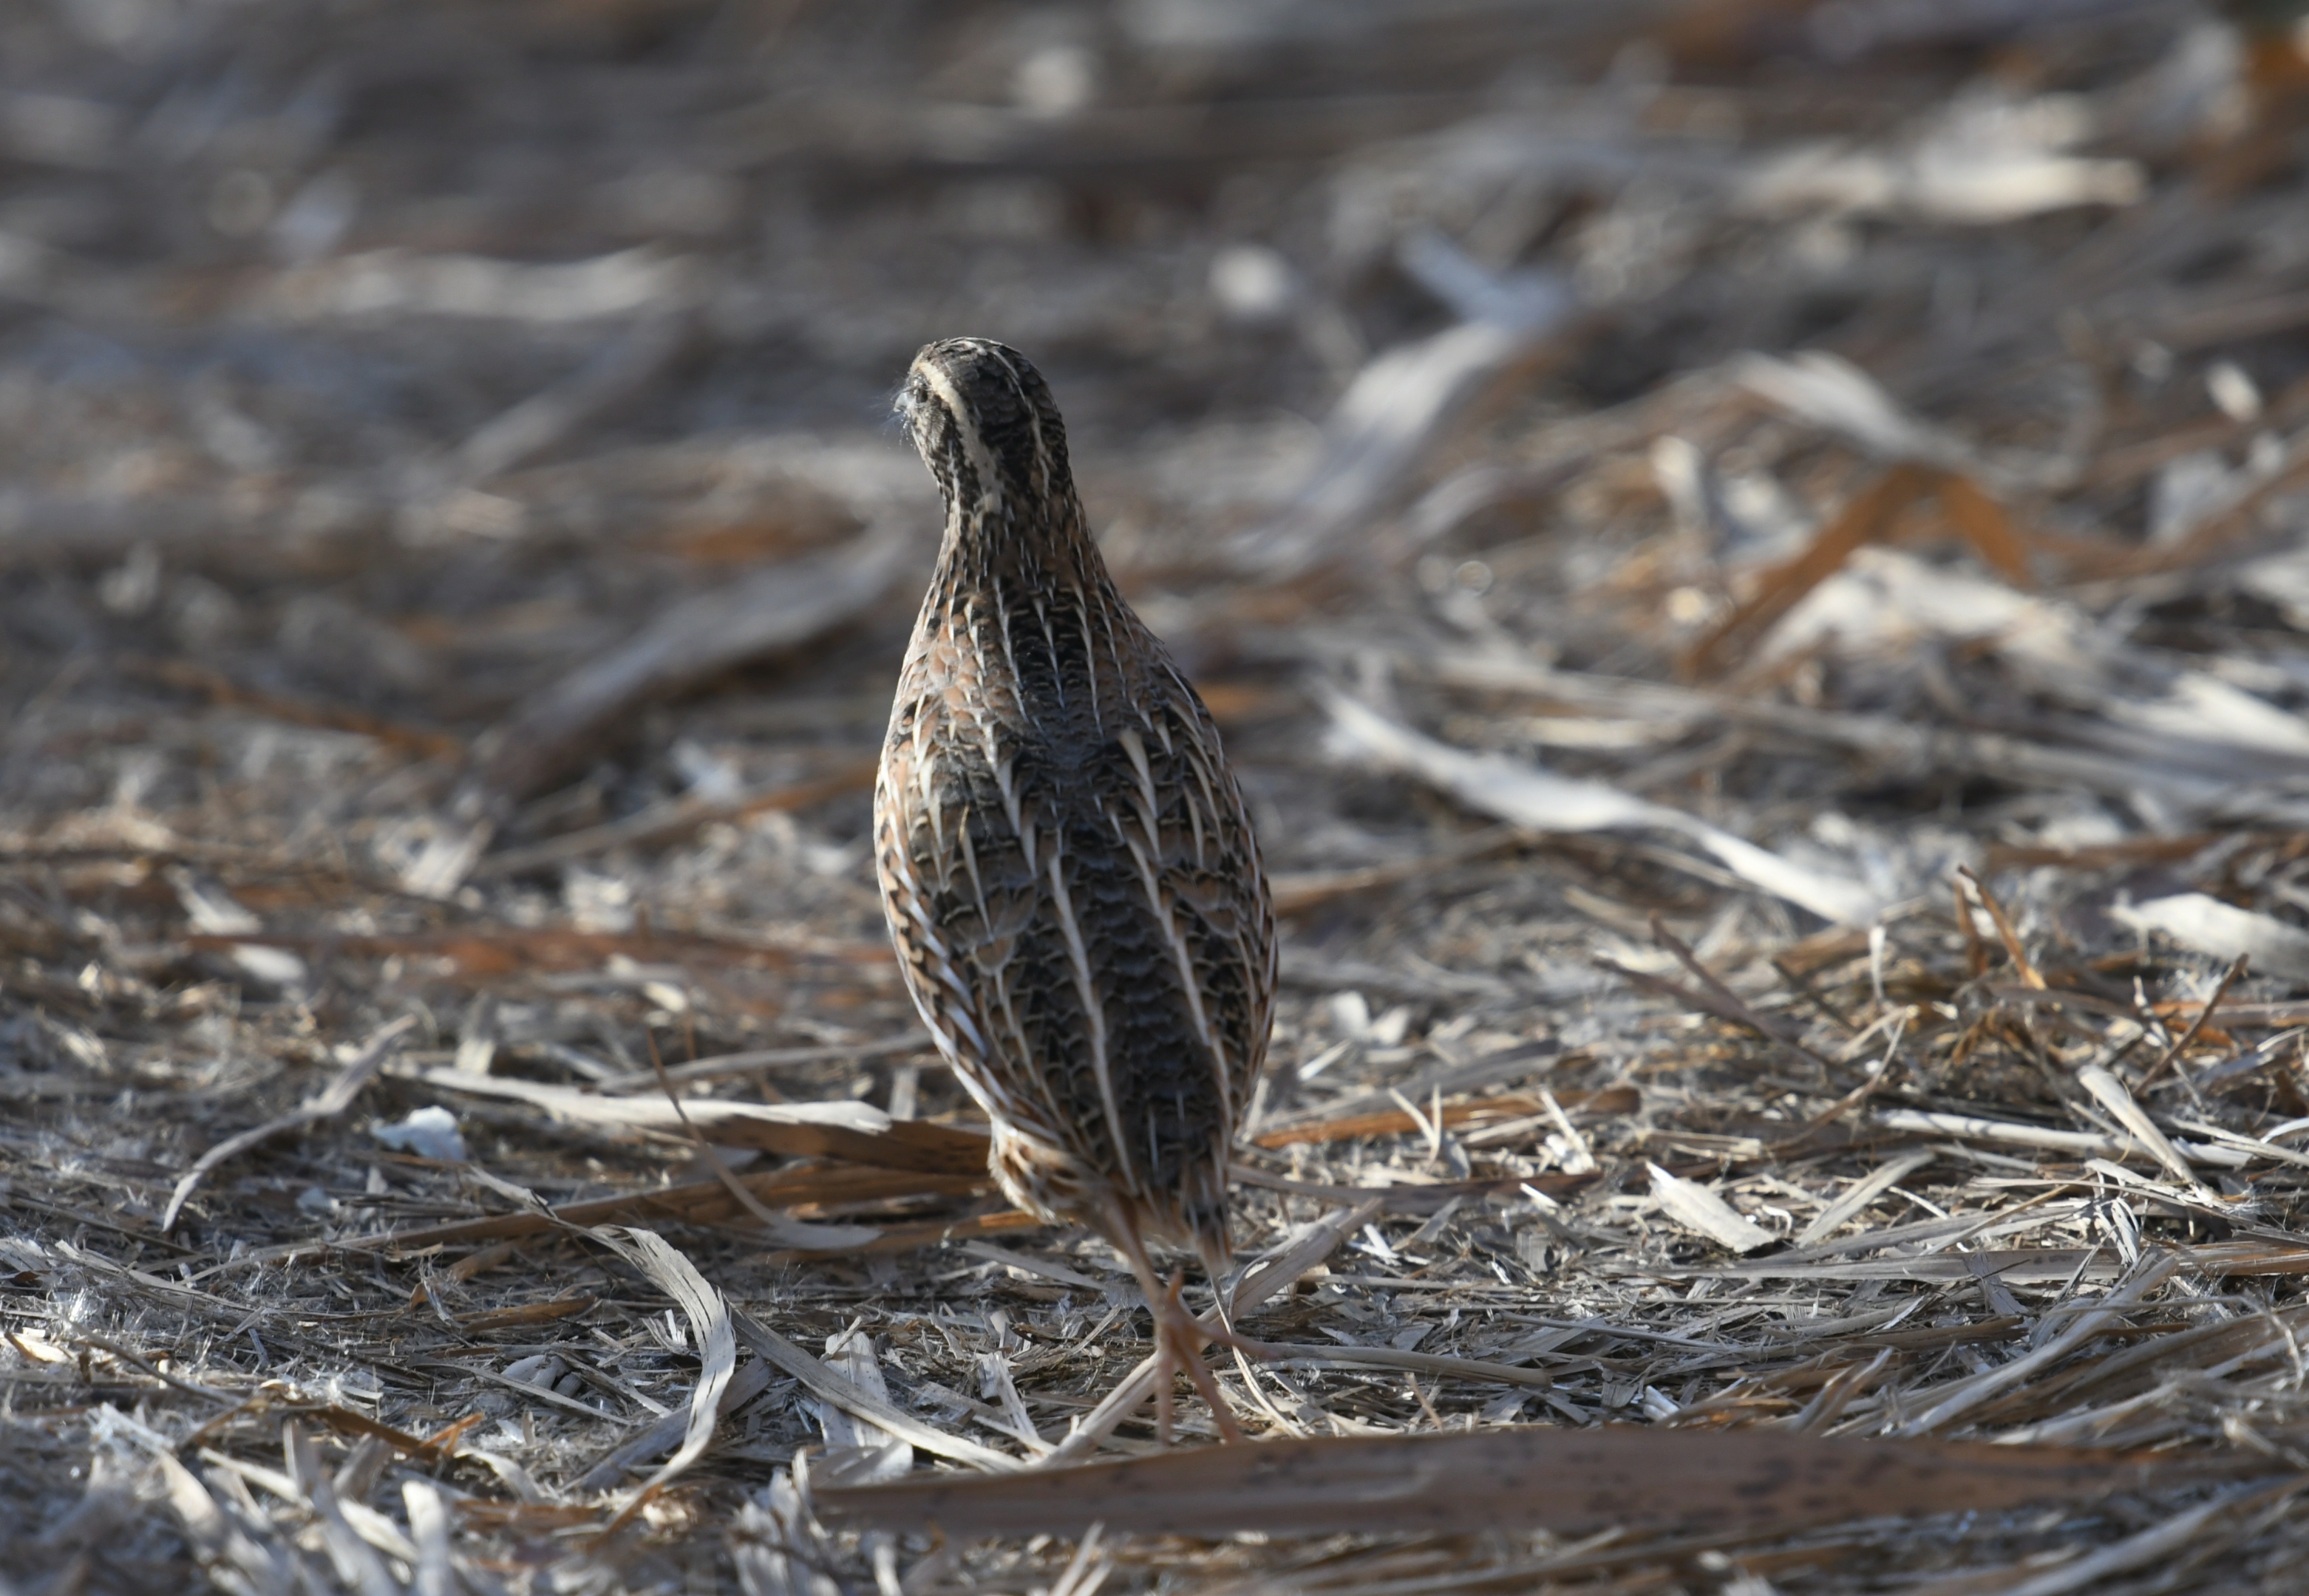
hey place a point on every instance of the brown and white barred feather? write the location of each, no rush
(1068, 872)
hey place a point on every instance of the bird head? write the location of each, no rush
(983, 420)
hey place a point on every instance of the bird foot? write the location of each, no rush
(1178, 1341)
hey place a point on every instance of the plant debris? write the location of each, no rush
(1750, 557)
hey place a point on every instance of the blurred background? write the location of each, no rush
(437, 436)
(1648, 481)
(387, 369)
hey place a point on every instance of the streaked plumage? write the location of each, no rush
(1068, 869)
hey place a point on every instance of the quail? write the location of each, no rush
(1066, 862)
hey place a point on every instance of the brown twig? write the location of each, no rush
(146, 1366)
(2172, 1056)
(771, 1222)
(2005, 932)
(1975, 952)
(1724, 1002)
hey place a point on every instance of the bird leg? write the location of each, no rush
(1179, 1338)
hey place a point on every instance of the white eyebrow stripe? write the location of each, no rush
(965, 426)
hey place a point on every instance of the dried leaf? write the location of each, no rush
(856, 1132)
(2205, 925)
(710, 1333)
(331, 1100)
(1530, 797)
(828, 1385)
(1867, 517)
(1696, 1208)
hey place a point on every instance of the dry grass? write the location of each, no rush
(1748, 556)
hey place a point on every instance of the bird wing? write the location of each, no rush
(1084, 927)
(1189, 835)
(958, 873)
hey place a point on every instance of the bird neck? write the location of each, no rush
(1029, 600)
(1039, 550)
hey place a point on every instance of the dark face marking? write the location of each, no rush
(983, 420)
